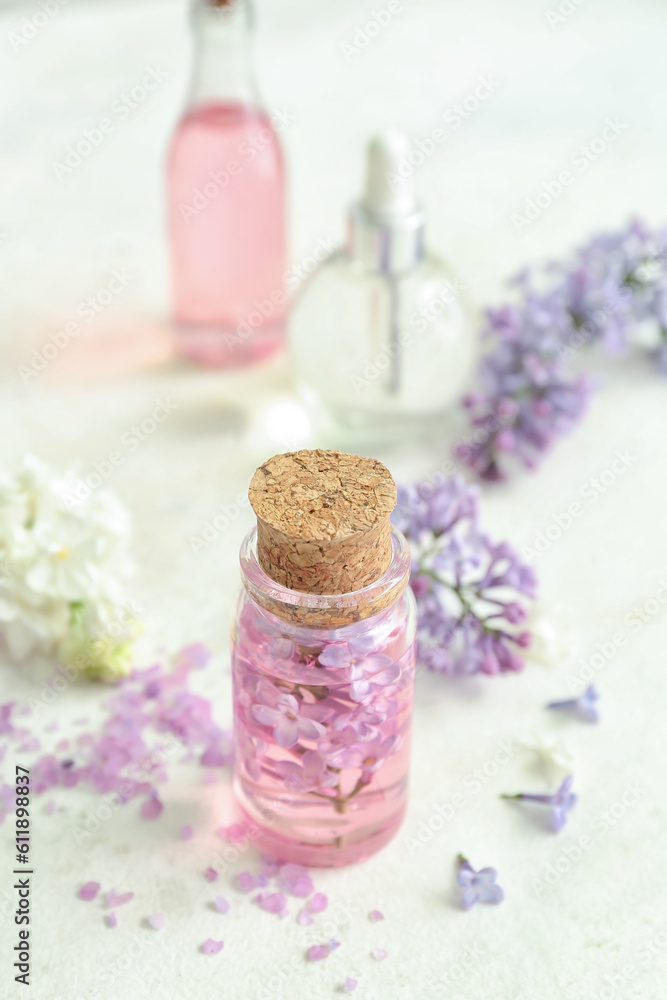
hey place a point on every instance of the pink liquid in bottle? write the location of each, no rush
(227, 218)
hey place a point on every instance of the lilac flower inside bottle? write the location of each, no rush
(323, 650)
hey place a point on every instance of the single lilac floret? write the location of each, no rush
(560, 802)
(584, 705)
(478, 886)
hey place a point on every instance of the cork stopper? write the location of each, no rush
(323, 520)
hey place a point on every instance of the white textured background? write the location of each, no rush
(599, 932)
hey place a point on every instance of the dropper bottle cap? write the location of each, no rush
(386, 228)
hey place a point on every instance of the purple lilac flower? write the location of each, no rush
(468, 588)
(584, 705)
(280, 710)
(308, 775)
(560, 802)
(478, 886)
(527, 398)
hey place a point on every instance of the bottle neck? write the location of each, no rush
(222, 54)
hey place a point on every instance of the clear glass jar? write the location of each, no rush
(322, 713)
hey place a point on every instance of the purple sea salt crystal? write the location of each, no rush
(157, 921)
(89, 890)
(560, 802)
(584, 705)
(210, 874)
(273, 902)
(112, 920)
(318, 903)
(374, 916)
(379, 954)
(152, 807)
(246, 881)
(471, 592)
(317, 952)
(350, 985)
(186, 832)
(221, 904)
(114, 899)
(478, 886)
(211, 947)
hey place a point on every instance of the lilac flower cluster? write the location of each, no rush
(613, 292)
(468, 588)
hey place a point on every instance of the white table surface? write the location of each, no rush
(600, 930)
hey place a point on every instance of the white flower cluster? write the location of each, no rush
(61, 567)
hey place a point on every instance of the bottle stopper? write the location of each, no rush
(323, 520)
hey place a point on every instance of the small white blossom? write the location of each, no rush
(62, 564)
(554, 755)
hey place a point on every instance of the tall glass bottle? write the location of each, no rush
(226, 190)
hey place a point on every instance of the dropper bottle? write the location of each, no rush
(380, 338)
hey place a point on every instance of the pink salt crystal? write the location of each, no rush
(114, 898)
(89, 890)
(379, 954)
(301, 887)
(221, 904)
(318, 951)
(375, 915)
(156, 920)
(247, 882)
(186, 832)
(211, 947)
(304, 917)
(318, 903)
(210, 874)
(152, 807)
(274, 902)
(112, 920)
(350, 985)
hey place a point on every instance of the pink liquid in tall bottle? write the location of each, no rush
(227, 215)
